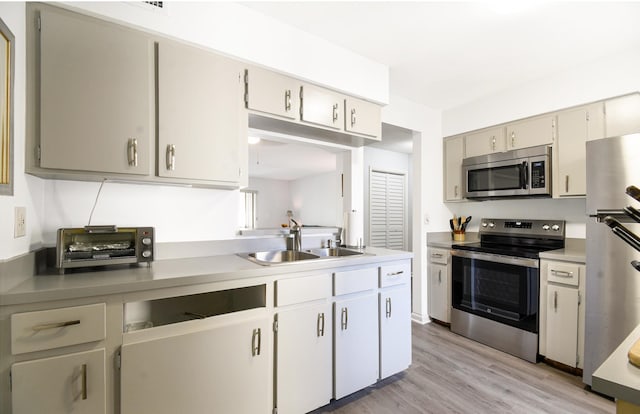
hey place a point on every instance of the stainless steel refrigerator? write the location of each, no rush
(612, 306)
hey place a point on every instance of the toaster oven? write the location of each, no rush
(103, 245)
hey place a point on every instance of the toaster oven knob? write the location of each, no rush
(146, 241)
(146, 253)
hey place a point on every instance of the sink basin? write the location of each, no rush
(334, 252)
(281, 256)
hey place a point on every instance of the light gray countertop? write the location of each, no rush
(574, 251)
(171, 273)
(616, 376)
(443, 239)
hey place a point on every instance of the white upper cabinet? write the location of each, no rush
(321, 107)
(622, 115)
(199, 99)
(362, 117)
(271, 93)
(453, 155)
(96, 95)
(485, 142)
(531, 132)
(574, 128)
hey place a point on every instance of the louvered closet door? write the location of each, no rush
(387, 212)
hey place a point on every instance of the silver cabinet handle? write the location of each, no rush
(55, 325)
(335, 112)
(388, 308)
(171, 157)
(132, 152)
(566, 183)
(399, 272)
(455, 190)
(344, 319)
(84, 381)
(353, 116)
(561, 273)
(287, 100)
(513, 139)
(493, 142)
(437, 255)
(440, 276)
(255, 342)
(555, 300)
(320, 324)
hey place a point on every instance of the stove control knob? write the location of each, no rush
(555, 227)
(492, 225)
(484, 224)
(146, 241)
(146, 253)
(545, 227)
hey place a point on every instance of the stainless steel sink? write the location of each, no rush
(280, 256)
(292, 256)
(334, 252)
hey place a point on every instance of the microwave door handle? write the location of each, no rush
(524, 175)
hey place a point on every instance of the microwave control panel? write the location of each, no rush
(537, 174)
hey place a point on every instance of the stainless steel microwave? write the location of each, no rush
(518, 173)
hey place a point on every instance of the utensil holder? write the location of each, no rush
(458, 235)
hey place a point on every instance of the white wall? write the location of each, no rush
(604, 78)
(178, 213)
(315, 199)
(274, 199)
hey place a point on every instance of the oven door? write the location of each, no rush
(496, 179)
(502, 288)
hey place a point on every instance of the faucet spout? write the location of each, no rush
(296, 232)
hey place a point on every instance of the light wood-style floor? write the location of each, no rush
(452, 374)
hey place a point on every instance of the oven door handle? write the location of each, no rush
(497, 258)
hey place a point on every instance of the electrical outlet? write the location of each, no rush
(20, 223)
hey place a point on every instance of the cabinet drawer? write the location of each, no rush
(302, 289)
(55, 328)
(396, 273)
(439, 256)
(355, 281)
(565, 273)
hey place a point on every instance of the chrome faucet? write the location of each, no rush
(296, 232)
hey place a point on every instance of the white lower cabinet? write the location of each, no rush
(562, 324)
(439, 277)
(72, 383)
(356, 344)
(304, 342)
(215, 365)
(395, 329)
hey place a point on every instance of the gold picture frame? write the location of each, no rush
(7, 73)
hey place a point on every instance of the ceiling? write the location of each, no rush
(446, 54)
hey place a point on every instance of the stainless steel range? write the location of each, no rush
(496, 283)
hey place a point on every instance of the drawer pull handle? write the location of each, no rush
(84, 381)
(388, 308)
(438, 255)
(344, 319)
(395, 273)
(562, 273)
(55, 325)
(255, 345)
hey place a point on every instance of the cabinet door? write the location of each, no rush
(73, 383)
(439, 293)
(622, 115)
(531, 133)
(453, 180)
(485, 142)
(198, 115)
(272, 93)
(562, 324)
(395, 330)
(362, 117)
(96, 95)
(215, 369)
(356, 344)
(304, 343)
(321, 107)
(573, 130)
